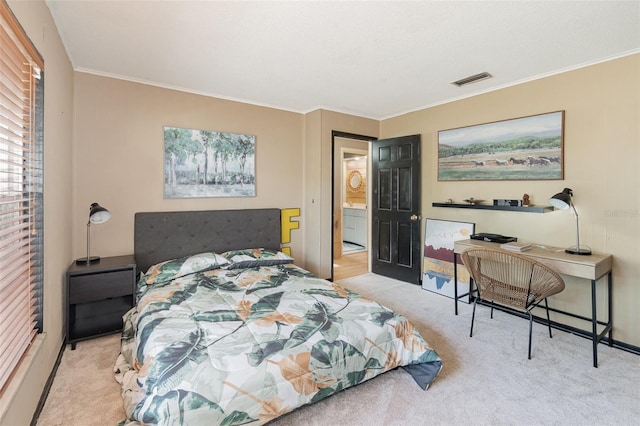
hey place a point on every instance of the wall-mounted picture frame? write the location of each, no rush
(203, 163)
(437, 269)
(525, 148)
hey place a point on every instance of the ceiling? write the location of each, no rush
(371, 59)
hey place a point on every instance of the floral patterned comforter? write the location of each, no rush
(244, 346)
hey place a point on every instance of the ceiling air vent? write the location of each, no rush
(472, 79)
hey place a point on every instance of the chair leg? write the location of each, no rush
(546, 304)
(530, 330)
(473, 315)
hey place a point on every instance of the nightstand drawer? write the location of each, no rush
(87, 288)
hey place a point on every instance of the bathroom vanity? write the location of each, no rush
(354, 224)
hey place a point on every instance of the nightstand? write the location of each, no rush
(98, 295)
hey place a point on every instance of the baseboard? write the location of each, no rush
(567, 328)
(47, 386)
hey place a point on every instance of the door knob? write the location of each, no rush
(415, 217)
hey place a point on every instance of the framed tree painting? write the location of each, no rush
(437, 269)
(203, 163)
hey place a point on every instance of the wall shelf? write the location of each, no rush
(530, 209)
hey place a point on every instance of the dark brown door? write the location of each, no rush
(395, 208)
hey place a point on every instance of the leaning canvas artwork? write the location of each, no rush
(440, 236)
(203, 163)
(526, 148)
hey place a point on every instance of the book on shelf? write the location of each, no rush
(516, 246)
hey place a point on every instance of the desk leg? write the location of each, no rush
(608, 330)
(610, 307)
(455, 281)
(594, 323)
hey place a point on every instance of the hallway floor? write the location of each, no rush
(350, 265)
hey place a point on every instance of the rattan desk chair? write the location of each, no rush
(512, 280)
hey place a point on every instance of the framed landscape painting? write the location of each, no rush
(203, 163)
(440, 236)
(527, 148)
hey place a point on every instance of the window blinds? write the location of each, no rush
(21, 110)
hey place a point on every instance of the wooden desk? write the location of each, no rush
(592, 267)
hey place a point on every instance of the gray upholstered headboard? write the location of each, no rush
(160, 236)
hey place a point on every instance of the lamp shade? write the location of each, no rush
(562, 200)
(98, 214)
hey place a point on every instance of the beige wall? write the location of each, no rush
(317, 175)
(333, 121)
(18, 403)
(118, 161)
(602, 166)
(119, 156)
(311, 189)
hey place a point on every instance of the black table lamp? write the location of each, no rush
(564, 200)
(97, 214)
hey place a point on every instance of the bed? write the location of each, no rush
(228, 330)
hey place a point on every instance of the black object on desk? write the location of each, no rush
(493, 238)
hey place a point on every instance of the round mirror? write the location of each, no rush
(354, 181)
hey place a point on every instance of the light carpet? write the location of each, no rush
(486, 379)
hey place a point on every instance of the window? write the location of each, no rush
(21, 156)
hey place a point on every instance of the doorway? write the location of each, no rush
(351, 234)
